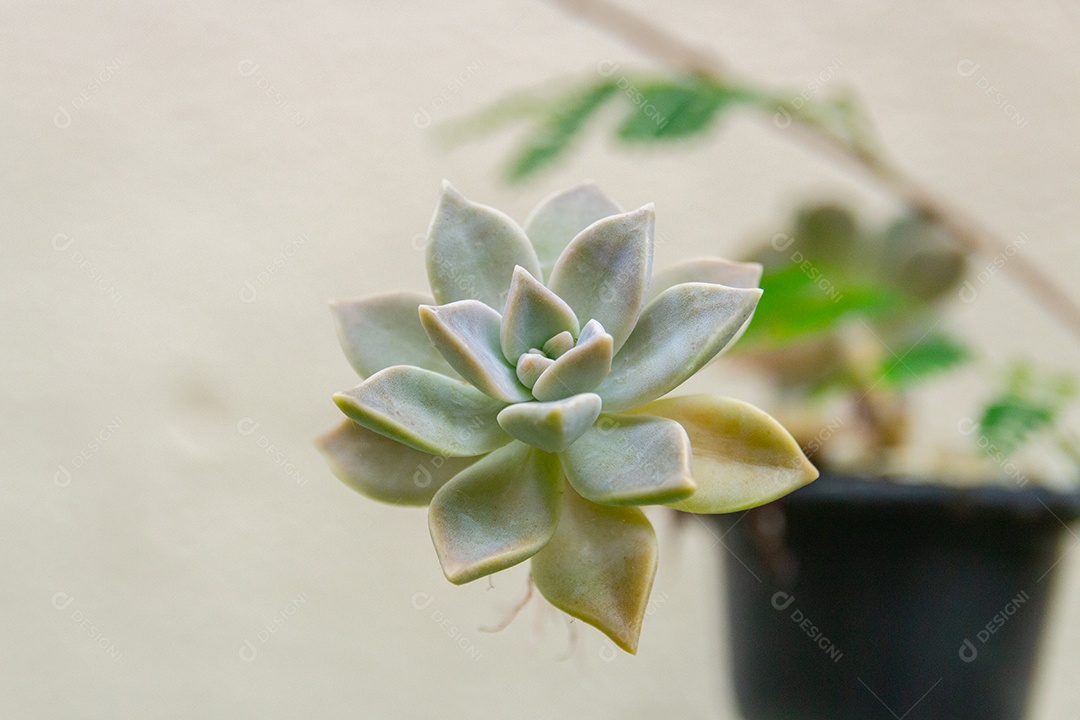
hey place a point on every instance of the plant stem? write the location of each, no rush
(966, 231)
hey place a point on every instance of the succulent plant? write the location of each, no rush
(523, 402)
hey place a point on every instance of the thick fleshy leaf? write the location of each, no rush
(631, 460)
(427, 411)
(466, 332)
(381, 331)
(579, 369)
(558, 345)
(604, 272)
(533, 315)
(678, 334)
(551, 426)
(742, 456)
(472, 251)
(497, 513)
(707, 270)
(599, 567)
(559, 218)
(710, 270)
(531, 366)
(384, 469)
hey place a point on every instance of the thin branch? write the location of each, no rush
(966, 231)
(645, 36)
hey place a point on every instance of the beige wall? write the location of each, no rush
(146, 176)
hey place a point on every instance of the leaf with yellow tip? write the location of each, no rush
(742, 456)
(599, 567)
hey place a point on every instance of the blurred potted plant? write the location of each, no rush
(898, 585)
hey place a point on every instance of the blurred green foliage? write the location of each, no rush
(828, 274)
(1027, 406)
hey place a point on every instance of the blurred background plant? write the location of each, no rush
(852, 308)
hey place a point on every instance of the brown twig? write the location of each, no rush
(966, 231)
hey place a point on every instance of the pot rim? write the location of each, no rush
(850, 489)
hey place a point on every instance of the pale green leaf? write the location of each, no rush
(466, 333)
(496, 513)
(579, 369)
(427, 411)
(551, 426)
(678, 334)
(604, 272)
(384, 469)
(559, 218)
(472, 250)
(531, 366)
(707, 270)
(630, 460)
(381, 331)
(533, 315)
(599, 567)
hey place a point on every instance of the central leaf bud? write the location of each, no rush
(566, 367)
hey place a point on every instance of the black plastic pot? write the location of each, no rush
(865, 599)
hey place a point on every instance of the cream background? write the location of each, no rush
(179, 179)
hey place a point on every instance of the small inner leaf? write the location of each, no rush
(579, 369)
(466, 333)
(531, 366)
(558, 345)
(533, 315)
(551, 426)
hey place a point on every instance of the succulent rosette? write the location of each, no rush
(524, 401)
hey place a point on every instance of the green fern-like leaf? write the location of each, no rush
(671, 110)
(1009, 422)
(931, 355)
(1027, 406)
(559, 130)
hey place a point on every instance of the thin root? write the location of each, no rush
(514, 611)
